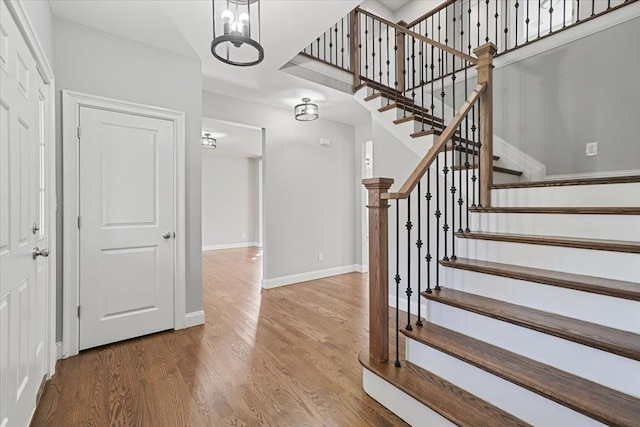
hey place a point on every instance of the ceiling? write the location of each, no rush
(233, 139)
(394, 4)
(184, 27)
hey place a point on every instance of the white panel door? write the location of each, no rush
(18, 173)
(126, 226)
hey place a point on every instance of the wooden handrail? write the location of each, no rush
(438, 146)
(431, 13)
(420, 37)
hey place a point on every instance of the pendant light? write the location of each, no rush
(306, 112)
(236, 32)
(208, 141)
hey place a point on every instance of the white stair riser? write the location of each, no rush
(610, 265)
(608, 227)
(522, 403)
(606, 195)
(400, 403)
(607, 311)
(617, 372)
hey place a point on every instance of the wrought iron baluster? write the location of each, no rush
(419, 246)
(437, 214)
(540, 15)
(517, 5)
(428, 258)
(486, 38)
(550, 17)
(496, 16)
(473, 156)
(366, 47)
(388, 61)
(479, 153)
(506, 25)
(342, 39)
(335, 38)
(409, 291)
(564, 13)
(397, 280)
(380, 53)
(578, 12)
(526, 21)
(593, 7)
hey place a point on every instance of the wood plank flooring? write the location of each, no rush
(282, 357)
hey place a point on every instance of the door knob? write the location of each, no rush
(40, 252)
(166, 235)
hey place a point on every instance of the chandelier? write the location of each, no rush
(236, 32)
(208, 141)
(306, 112)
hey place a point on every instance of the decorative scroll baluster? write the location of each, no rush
(506, 25)
(366, 47)
(428, 257)
(437, 214)
(550, 17)
(409, 292)
(540, 15)
(526, 21)
(397, 280)
(419, 246)
(517, 5)
(380, 52)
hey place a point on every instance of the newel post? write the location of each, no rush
(354, 47)
(485, 54)
(378, 268)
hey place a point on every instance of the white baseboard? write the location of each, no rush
(632, 172)
(194, 318)
(59, 350)
(230, 246)
(311, 275)
(362, 268)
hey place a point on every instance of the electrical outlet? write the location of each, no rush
(592, 149)
(320, 256)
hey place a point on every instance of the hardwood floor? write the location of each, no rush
(282, 357)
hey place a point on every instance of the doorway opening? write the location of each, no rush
(232, 190)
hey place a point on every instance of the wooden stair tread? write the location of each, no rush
(586, 397)
(622, 343)
(562, 210)
(568, 182)
(596, 285)
(423, 133)
(569, 242)
(495, 169)
(373, 96)
(443, 397)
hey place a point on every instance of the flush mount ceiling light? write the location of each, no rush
(306, 112)
(236, 32)
(208, 141)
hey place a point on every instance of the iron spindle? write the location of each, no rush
(437, 214)
(445, 226)
(342, 40)
(473, 155)
(550, 17)
(593, 7)
(373, 50)
(366, 47)
(539, 15)
(331, 44)
(564, 13)
(496, 16)
(578, 12)
(380, 52)
(335, 37)
(409, 292)
(419, 246)
(517, 5)
(506, 26)
(486, 30)
(428, 257)
(397, 280)
(526, 21)
(479, 153)
(388, 61)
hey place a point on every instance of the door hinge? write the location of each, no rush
(78, 132)
(78, 311)
(78, 222)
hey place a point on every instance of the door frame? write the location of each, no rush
(71, 104)
(25, 26)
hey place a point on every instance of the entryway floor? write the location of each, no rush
(283, 357)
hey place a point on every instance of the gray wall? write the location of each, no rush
(551, 104)
(229, 199)
(98, 63)
(308, 189)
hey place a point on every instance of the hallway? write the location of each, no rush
(283, 357)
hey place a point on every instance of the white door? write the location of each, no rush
(126, 226)
(21, 294)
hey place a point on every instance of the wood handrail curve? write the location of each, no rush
(420, 37)
(438, 146)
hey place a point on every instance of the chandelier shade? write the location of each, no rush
(306, 111)
(236, 32)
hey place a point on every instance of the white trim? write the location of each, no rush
(362, 268)
(24, 24)
(305, 277)
(194, 318)
(71, 103)
(206, 248)
(58, 350)
(632, 172)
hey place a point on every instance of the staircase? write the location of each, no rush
(536, 318)
(495, 298)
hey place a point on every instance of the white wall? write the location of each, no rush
(229, 200)
(42, 21)
(415, 9)
(308, 189)
(91, 61)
